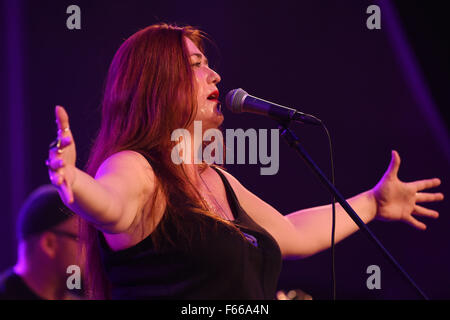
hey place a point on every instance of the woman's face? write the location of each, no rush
(206, 80)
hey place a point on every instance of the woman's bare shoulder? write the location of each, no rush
(127, 157)
(129, 178)
(126, 162)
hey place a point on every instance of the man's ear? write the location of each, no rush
(48, 244)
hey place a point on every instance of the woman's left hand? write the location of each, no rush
(397, 200)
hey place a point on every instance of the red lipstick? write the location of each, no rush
(214, 95)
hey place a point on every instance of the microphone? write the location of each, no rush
(239, 101)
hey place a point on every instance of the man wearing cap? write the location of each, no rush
(47, 233)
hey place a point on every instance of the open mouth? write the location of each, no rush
(214, 96)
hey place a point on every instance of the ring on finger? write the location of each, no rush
(55, 144)
(60, 131)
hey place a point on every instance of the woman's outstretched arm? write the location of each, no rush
(113, 198)
(308, 231)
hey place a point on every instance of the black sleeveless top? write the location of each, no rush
(221, 265)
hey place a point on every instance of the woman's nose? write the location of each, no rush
(213, 77)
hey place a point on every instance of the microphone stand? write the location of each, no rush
(294, 143)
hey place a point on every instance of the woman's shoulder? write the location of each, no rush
(130, 167)
(126, 159)
(130, 180)
(128, 155)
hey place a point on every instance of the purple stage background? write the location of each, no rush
(376, 90)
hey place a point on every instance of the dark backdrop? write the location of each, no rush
(376, 90)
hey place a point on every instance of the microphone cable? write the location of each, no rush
(333, 223)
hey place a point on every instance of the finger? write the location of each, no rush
(426, 183)
(53, 154)
(61, 143)
(56, 177)
(419, 210)
(416, 223)
(429, 197)
(58, 146)
(394, 165)
(65, 136)
(62, 119)
(55, 163)
(65, 142)
(281, 295)
(58, 180)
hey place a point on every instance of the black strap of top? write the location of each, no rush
(230, 193)
(238, 210)
(226, 183)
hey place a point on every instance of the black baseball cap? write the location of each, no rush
(41, 211)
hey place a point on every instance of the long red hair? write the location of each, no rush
(149, 92)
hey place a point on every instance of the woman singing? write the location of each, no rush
(153, 229)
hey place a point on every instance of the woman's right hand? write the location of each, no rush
(62, 157)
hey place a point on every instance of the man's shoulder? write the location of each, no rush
(6, 279)
(12, 287)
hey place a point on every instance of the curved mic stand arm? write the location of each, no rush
(294, 143)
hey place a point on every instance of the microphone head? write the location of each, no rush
(235, 100)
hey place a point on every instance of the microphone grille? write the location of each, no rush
(234, 100)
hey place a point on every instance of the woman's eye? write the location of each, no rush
(197, 64)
